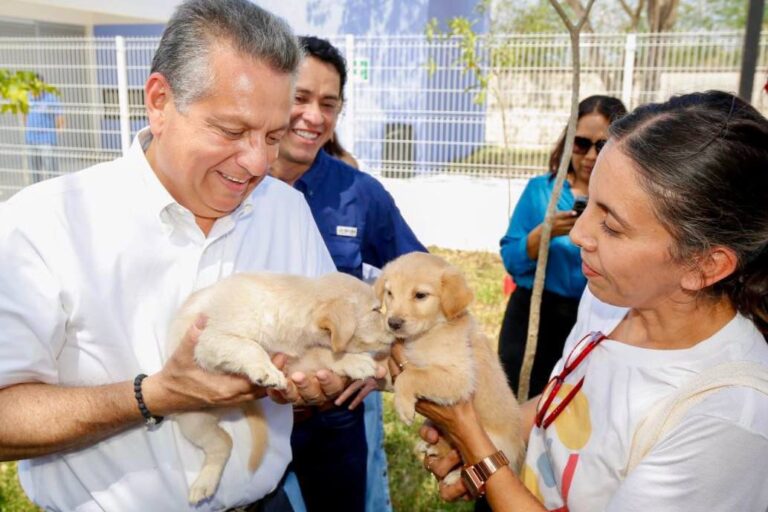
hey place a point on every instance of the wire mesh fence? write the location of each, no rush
(412, 106)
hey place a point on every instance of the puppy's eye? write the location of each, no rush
(377, 309)
(389, 293)
(420, 295)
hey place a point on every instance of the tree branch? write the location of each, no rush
(580, 12)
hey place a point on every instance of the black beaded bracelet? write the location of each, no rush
(149, 419)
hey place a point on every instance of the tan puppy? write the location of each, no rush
(332, 322)
(448, 357)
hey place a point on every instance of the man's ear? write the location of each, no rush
(717, 264)
(157, 99)
(337, 316)
(455, 294)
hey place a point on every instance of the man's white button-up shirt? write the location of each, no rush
(94, 266)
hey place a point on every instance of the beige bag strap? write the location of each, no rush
(669, 412)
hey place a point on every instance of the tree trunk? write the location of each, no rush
(546, 231)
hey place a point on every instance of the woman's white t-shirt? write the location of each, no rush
(715, 459)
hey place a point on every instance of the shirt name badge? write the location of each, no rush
(346, 231)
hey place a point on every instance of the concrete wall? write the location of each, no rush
(457, 212)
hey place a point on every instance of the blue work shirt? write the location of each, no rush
(41, 119)
(564, 275)
(357, 217)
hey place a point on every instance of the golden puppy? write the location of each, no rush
(332, 322)
(448, 357)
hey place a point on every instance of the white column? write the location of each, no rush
(349, 103)
(122, 94)
(630, 50)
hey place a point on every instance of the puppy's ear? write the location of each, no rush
(378, 286)
(337, 316)
(455, 294)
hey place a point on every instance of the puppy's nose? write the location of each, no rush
(395, 323)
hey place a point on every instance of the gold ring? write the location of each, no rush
(402, 365)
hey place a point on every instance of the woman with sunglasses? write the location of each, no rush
(661, 399)
(564, 282)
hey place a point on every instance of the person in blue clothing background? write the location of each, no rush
(43, 121)
(564, 281)
(361, 225)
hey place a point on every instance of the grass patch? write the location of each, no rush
(412, 489)
(12, 498)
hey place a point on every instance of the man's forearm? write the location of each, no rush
(40, 419)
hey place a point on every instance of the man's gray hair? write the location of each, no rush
(197, 26)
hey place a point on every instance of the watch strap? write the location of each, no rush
(476, 475)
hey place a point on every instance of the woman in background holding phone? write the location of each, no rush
(564, 282)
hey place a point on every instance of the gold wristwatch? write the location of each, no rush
(475, 476)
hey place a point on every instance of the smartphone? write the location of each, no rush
(579, 203)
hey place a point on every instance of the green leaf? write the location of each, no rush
(16, 87)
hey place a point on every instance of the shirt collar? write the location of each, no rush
(315, 175)
(157, 199)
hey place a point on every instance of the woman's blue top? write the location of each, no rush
(564, 276)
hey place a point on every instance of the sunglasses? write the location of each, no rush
(582, 145)
(581, 350)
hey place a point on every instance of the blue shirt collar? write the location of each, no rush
(316, 174)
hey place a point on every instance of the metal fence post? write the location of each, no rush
(349, 107)
(630, 49)
(122, 94)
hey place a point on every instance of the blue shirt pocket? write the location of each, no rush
(346, 254)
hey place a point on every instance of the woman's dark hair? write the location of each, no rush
(333, 147)
(703, 159)
(323, 50)
(607, 106)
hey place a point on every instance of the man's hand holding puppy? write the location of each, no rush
(183, 386)
(323, 386)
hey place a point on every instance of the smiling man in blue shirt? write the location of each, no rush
(360, 224)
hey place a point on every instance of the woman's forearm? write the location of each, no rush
(528, 416)
(532, 242)
(504, 490)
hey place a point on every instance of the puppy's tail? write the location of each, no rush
(259, 432)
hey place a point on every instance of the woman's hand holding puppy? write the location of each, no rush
(460, 426)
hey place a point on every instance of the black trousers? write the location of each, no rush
(558, 314)
(330, 458)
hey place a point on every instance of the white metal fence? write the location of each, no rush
(412, 109)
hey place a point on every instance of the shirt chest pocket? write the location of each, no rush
(345, 251)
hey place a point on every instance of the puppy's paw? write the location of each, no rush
(204, 485)
(452, 477)
(355, 366)
(267, 376)
(422, 448)
(436, 450)
(405, 407)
